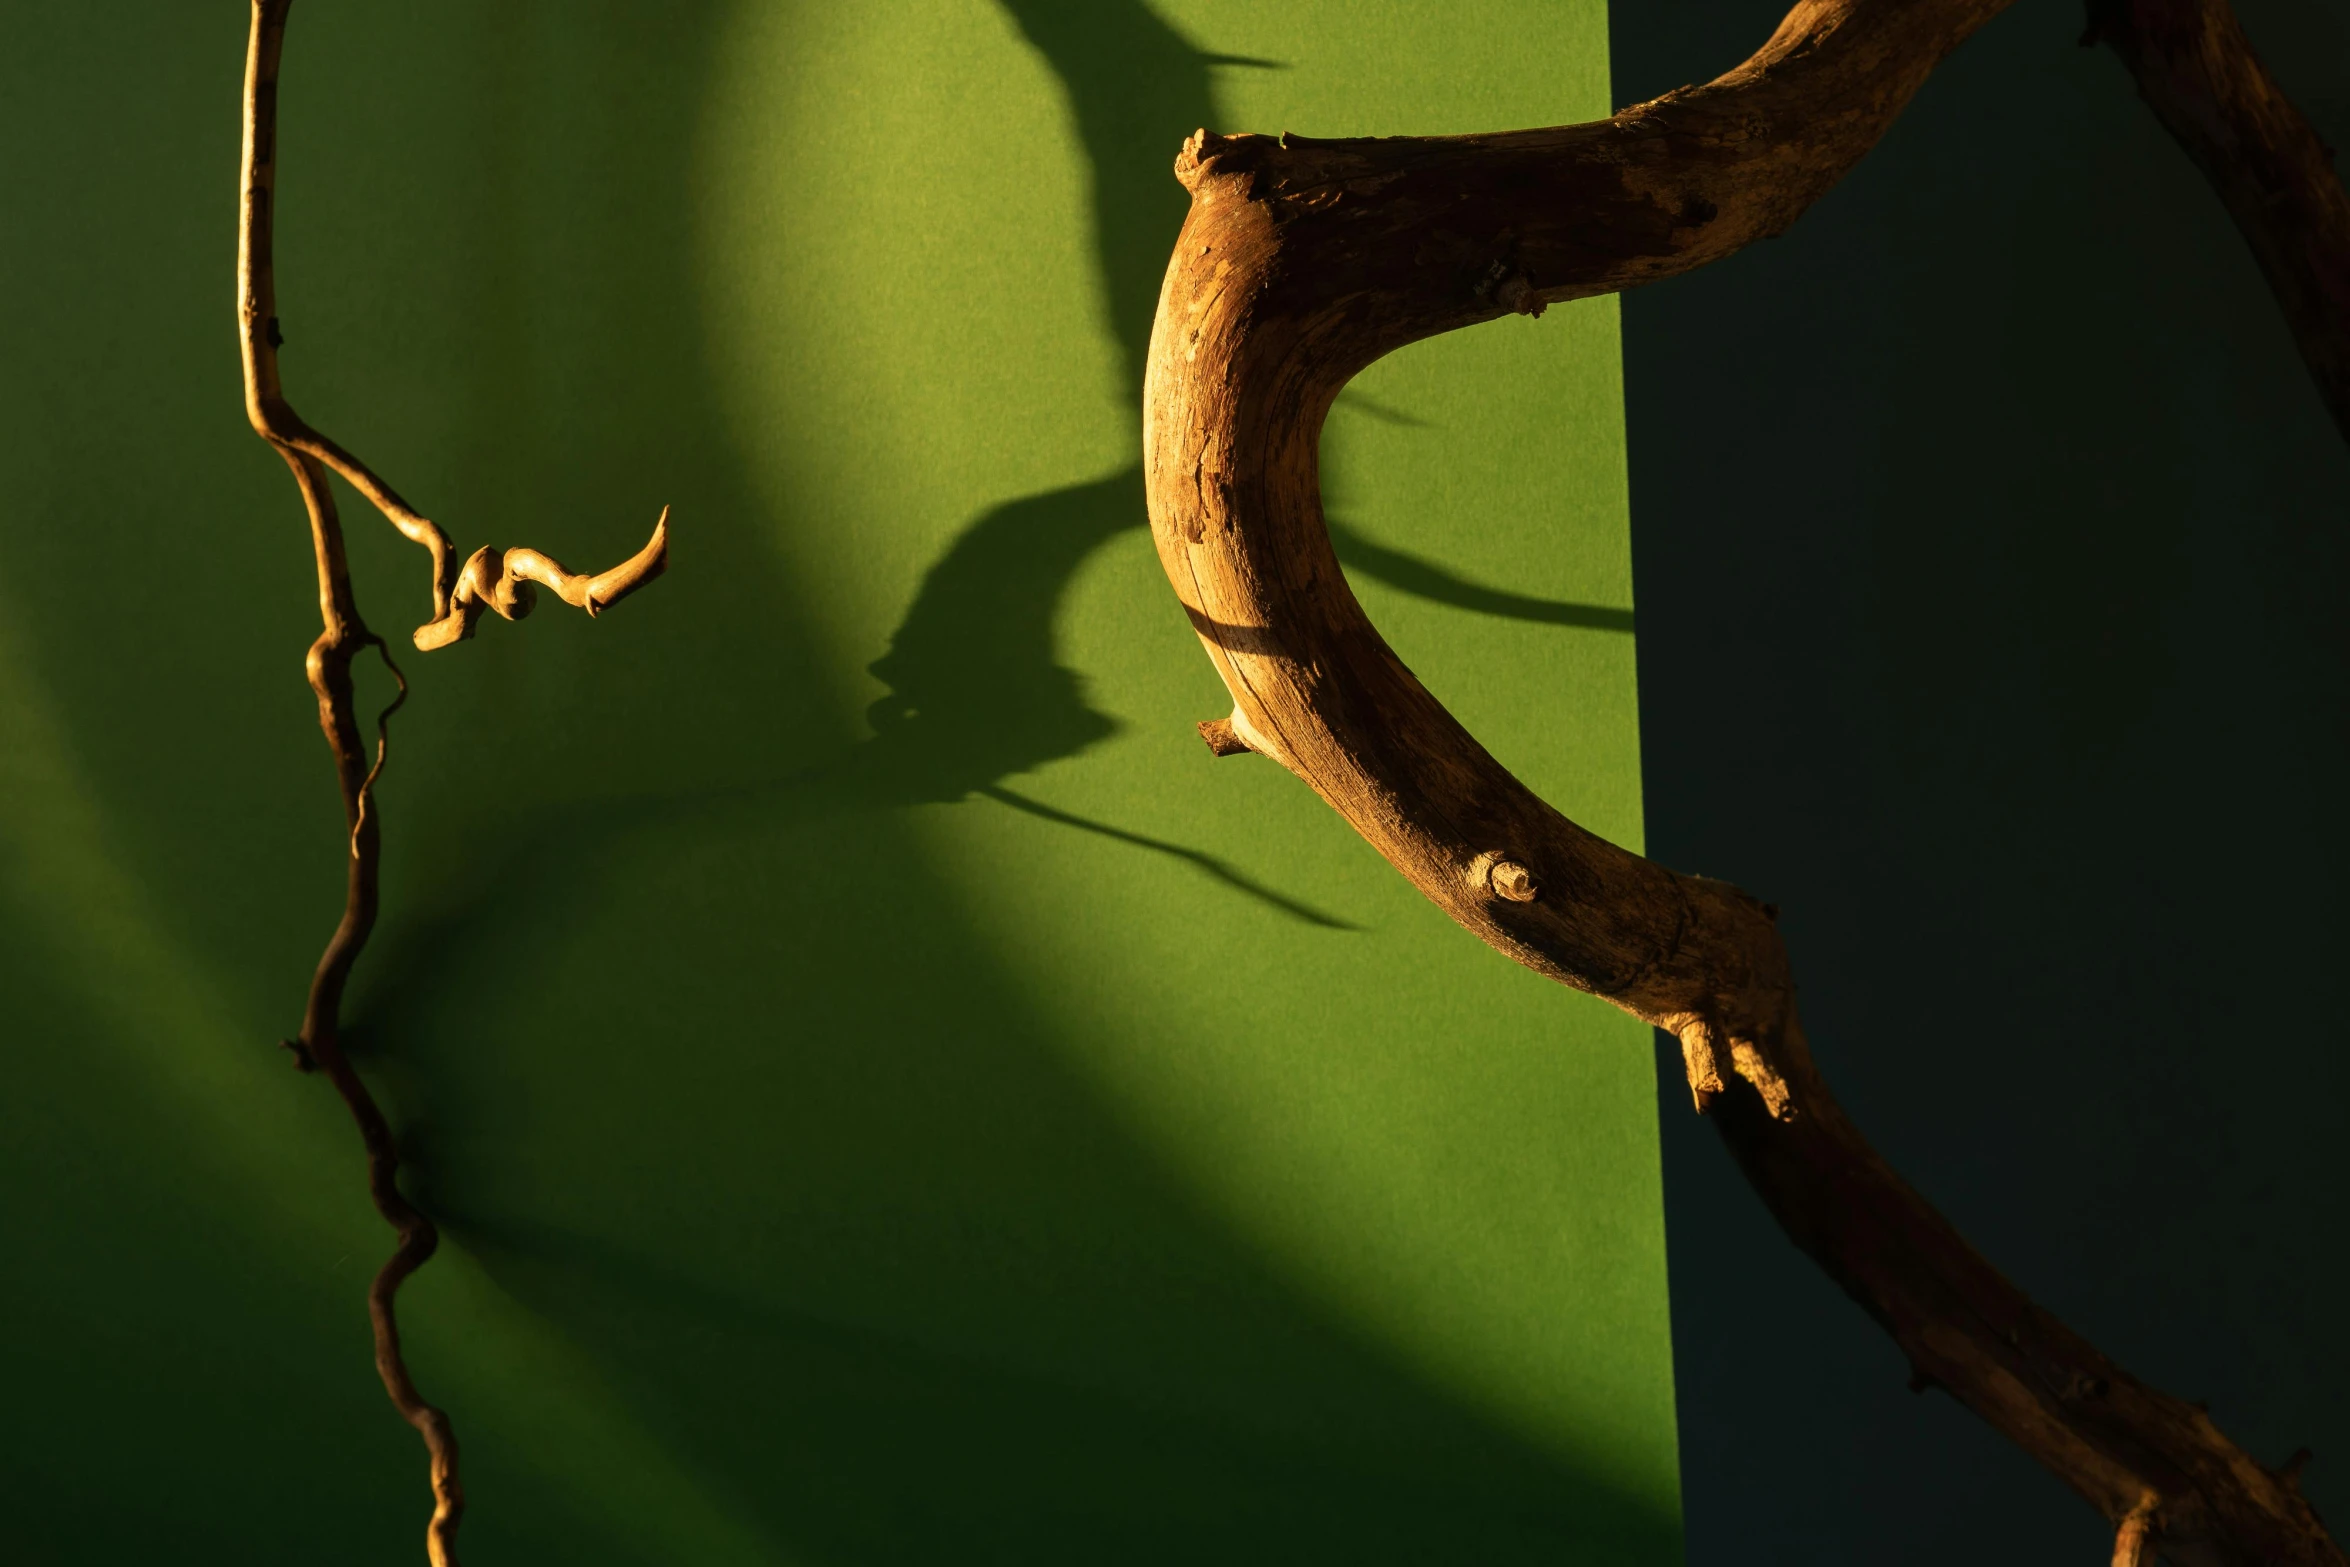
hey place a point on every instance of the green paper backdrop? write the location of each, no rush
(892, 1096)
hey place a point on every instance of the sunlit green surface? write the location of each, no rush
(894, 1098)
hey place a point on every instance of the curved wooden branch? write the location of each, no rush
(1302, 262)
(2197, 71)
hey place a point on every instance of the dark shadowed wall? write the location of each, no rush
(1991, 546)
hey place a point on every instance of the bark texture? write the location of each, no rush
(1302, 262)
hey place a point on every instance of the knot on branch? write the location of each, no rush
(1504, 876)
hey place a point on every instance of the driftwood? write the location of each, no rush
(505, 582)
(1302, 262)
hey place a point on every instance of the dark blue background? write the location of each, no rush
(1990, 544)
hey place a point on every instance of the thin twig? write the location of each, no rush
(491, 579)
(501, 581)
(383, 740)
(342, 635)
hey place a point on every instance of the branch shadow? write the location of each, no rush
(977, 692)
(1424, 578)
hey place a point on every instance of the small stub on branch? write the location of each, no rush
(1747, 1059)
(1222, 737)
(2133, 1543)
(1702, 1063)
